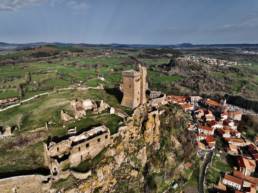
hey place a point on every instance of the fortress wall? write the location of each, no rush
(60, 148)
(22, 184)
(81, 176)
(89, 149)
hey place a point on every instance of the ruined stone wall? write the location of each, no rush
(60, 148)
(88, 149)
(158, 101)
(23, 184)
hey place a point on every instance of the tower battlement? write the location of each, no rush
(131, 73)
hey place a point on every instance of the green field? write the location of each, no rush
(25, 152)
(36, 113)
(111, 121)
(21, 159)
(54, 73)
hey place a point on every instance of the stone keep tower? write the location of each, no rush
(134, 87)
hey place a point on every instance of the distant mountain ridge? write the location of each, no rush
(7, 46)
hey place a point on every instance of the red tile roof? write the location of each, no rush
(246, 163)
(206, 128)
(233, 179)
(250, 179)
(210, 139)
(214, 103)
(236, 140)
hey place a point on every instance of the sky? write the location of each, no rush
(129, 21)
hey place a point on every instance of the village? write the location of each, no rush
(207, 60)
(217, 122)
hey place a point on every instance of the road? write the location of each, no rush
(202, 172)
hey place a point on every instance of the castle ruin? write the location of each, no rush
(77, 148)
(134, 87)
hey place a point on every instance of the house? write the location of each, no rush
(235, 115)
(199, 113)
(230, 133)
(224, 116)
(206, 130)
(176, 99)
(217, 125)
(235, 133)
(232, 149)
(232, 182)
(246, 166)
(236, 141)
(195, 99)
(248, 181)
(212, 103)
(232, 125)
(209, 116)
(187, 107)
(210, 141)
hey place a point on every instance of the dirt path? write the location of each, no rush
(48, 93)
(202, 173)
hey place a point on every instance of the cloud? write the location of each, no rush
(76, 5)
(11, 5)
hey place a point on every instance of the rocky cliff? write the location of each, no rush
(147, 154)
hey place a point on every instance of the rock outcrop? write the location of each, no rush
(147, 154)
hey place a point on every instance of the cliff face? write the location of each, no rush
(147, 154)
